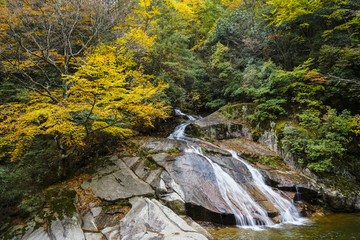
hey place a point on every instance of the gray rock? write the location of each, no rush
(161, 159)
(216, 126)
(94, 236)
(159, 145)
(130, 161)
(153, 175)
(111, 233)
(89, 222)
(67, 229)
(193, 178)
(38, 234)
(269, 138)
(148, 219)
(243, 146)
(96, 211)
(174, 202)
(119, 184)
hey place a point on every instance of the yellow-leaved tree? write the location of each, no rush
(108, 94)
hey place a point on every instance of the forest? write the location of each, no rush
(80, 77)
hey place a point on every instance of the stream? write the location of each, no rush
(333, 227)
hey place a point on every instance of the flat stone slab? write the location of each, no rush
(245, 146)
(121, 183)
(159, 145)
(148, 219)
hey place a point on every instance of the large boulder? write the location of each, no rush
(116, 182)
(217, 126)
(68, 228)
(148, 219)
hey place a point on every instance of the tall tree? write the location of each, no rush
(42, 40)
(110, 94)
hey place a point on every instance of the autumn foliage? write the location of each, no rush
(109, 93)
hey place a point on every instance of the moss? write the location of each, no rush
(256, 134)
(239, 110)
(63, 206)
(151, 164)
(173, 150)
(206, 151)
(12, 233)
(143, 153)
(342, 184)
(236, 127)
(119, 204)
(60, 199)
(209, 139)
(273, 161)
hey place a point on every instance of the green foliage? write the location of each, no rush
(24, 179)
(32, 203)
(325, 144)
(150, 164)
(60, 199)
(173, 150)
(271, 109)
(216, 104)
(143, 153)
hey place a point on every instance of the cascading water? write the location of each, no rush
(246, 210)
(179, 132)
(286, 209)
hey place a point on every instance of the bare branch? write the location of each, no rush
(343, 79)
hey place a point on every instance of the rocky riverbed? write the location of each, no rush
(156, 189)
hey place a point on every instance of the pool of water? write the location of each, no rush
(332, 227)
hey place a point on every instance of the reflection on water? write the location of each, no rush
(333, 227)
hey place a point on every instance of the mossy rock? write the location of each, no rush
(238, 110)
(60, 199)
(149, 163)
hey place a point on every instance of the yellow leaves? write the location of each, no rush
(144, 13)
(109, 94)
(138, 37)
(289, 10)
(233, 4)
(356, 123)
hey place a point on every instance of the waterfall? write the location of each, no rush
(179, 132)
(246, 210)
(286, 209)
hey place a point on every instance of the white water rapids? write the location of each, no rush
(247, 212)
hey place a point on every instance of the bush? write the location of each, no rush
(325, 144)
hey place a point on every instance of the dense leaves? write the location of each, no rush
(78, 73)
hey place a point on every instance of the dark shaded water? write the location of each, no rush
(332, 227)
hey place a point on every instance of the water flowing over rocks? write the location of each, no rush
(219, 127)
(158, 191)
